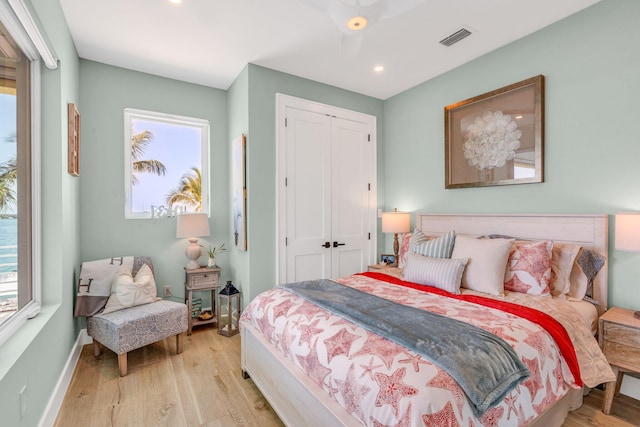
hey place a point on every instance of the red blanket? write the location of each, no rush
(548, 323)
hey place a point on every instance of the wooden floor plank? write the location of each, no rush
(203, 386)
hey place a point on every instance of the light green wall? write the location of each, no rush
(591, 64)
(35, 356)
(105, 92)
(238, 110)
(261, 159)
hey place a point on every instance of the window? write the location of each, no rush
(166, 164)
(20, 285)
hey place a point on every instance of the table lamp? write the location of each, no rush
(627, 236)
(396, 222)
(192, 226)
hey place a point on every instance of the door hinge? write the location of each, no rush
(369, 137)
(285, 122)
(369, 185)
(286, 182)
(286, 241)
(369, 236)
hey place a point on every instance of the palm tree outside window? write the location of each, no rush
(166, 164)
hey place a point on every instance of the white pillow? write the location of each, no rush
(487, 263)
(442, 273)
(127, 291)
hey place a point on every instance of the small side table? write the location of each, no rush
(619, 338)
(201, 279)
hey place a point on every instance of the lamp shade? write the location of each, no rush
(628, 231)
(396, 222)
(192, 225)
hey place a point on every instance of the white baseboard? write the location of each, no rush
(55, 401)
(630, 387)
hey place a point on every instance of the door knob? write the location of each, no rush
(336, 244)
(326, 245)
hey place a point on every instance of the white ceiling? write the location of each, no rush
(209, 42)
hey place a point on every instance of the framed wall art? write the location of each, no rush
(496, 138)
(74, 140)
(239, 202)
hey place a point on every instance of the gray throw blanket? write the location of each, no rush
(484, 365)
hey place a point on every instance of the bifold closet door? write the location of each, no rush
(327, 196)
(308, 193)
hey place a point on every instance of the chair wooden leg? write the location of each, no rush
(179, 343)
(122, 364)
(96, 348)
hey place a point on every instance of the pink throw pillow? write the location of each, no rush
(404, 249)
(529, 268)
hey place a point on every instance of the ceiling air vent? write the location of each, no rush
(455, 37)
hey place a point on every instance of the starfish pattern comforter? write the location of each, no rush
(383, 384)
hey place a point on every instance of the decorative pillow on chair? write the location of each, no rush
(442, 273)
(440, 247)
(127, 291)
(529, 268)
(487, 263)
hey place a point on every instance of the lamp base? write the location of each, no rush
(193, 252)
(636, 314)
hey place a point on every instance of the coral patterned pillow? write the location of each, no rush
(529, 268)
(404, 249)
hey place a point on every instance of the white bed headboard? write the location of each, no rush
(590, 231)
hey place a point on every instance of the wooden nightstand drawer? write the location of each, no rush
(621, 355)
(622, 334)
(202, 281)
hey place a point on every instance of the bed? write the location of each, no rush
(354, 377)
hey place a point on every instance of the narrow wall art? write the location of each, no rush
(239, 202)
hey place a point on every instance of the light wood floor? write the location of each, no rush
(203, 386)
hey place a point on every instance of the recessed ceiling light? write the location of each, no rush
(357, 23)
(518, 117)
(175, 1)
(378, 68)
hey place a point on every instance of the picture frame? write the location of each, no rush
(239, 192)
(73, 131)
(387, 259)
(496, 138)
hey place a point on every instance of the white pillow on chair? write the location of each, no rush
(127, 291)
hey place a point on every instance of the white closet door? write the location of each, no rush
(326, 191)
(308, 194)
(350, 195)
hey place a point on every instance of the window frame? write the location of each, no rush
(17, 20)
(132, 114)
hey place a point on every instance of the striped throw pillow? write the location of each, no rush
(441, 247)
(442, 273)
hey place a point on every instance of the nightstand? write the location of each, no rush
(201, 279)
(619, 338)
(380, 268)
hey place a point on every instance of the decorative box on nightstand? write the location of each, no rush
(201, 279)
(619, 338)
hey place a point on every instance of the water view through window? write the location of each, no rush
(10, 57)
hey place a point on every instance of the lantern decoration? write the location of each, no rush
(229, 299)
